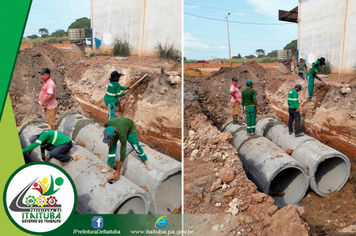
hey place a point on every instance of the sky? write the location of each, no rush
(55, 14)
(206, 39)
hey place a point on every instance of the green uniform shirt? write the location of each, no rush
(311, 71)
(293, 99)
(53, 137)
(249, 97)
(124, 126)
(113, 92)
(301, 66)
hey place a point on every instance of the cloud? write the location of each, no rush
(194, 44)
(222, 47)
(271, 7)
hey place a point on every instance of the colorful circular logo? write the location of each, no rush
(39, 197)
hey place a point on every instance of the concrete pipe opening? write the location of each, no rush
(169, 194)
(133, 205)
(290, 180)
(331, 175)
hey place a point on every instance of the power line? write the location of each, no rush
(217, 8)
(238, 22)
(203, 36)
(190, 50)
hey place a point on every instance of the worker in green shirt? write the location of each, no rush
(123, 129)
(53, 141)
(113, 93)
(301, 66)
(311, 76)
(249, 105)
(294, 111)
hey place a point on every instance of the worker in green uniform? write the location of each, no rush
(113, 93)
(249, 105)
(53, 141)
(293, 104)
(123, 129)
(301, 66)
(311, 75)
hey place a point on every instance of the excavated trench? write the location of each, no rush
(329, 119)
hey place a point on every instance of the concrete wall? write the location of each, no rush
(326, 29)
(143, 23)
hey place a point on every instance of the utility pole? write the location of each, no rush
(228, 36)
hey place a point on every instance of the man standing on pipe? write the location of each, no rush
(250, 102)
(235, 100)
(293, 104)
(123, 129)
(311, 75)
(53, 141)
(113, 93)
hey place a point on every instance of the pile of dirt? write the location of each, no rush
(192, 72)
(213, 90)
(26, 82)
(216, 61)
(215, 183)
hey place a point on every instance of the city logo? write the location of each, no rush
(161, 222)
(42, 204)
(97, 222)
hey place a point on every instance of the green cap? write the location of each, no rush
(249, 82)
(109, 132)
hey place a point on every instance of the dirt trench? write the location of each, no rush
(330, 118)
(154, 104)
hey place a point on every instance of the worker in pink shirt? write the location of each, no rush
(235, 100)
(48, 97)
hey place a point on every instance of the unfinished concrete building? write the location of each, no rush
(136, 22)
(326, 29)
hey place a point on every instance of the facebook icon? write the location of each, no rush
(97, 222)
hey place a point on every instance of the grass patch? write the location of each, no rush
(121, 48)
(41, 40)
(325, 69)
(167, 51)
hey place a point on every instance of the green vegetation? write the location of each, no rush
(59, 33)
(121, 48)
(293, 46)
(41, 40)
(325, 69)
(167, 51)
(82, 23)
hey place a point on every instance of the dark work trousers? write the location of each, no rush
(301, 75)
(293, 115)
(59, 151)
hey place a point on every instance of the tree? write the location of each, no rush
(237, 57)
(33, 36)
(83, 22)
(272, 54)
(250, 56)
(43, 32)
(59, 33)
(260, 52)
(292, 45)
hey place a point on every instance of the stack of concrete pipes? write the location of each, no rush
(95, 194)
(163, 181)
(269, 167)
(328, 168)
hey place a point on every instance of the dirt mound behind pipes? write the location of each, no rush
(26, 82)
(214, 90)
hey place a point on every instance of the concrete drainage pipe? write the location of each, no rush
(164, 181)
(95, 194)
(27, 130)
(329, 169)
(269, 167)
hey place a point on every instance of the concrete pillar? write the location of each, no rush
(329, 169)
(164, 181)
(269, 167)
(78, 48)
(95, 194)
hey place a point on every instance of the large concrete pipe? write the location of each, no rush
(27, 130)
(95, 194)
(269, 167)
(164, 181)
(329, 169)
